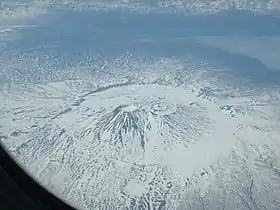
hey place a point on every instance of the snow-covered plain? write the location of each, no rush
(133, 139)
(116, 128)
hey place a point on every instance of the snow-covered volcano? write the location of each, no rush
(138, 122)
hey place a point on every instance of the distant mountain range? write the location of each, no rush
(31, 8)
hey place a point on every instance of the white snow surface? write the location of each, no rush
(124, 139)
(130, 132)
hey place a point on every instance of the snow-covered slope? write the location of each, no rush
(159, 138)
